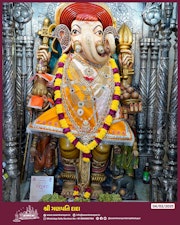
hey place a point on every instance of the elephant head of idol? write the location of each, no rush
(88, 29)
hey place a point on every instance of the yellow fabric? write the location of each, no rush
(73, 75)
(49, 119)
(74, 91)
(87, 111)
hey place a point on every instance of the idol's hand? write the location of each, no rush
(43, 54)
(126, 58)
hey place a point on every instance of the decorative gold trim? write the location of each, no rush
(67, 176)
(130, 101)
(98, 177)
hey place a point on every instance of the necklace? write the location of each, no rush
(93, 95)
(86, 148)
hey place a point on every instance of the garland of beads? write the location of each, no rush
(86, 149)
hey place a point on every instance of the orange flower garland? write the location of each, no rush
(86, 149)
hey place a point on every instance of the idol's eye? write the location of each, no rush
(99, 32)
(75, 32)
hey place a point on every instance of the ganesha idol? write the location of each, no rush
(86, 117)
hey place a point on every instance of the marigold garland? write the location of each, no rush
(76, 192)
(86, 149)
(87, 193)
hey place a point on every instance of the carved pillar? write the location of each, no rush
(19, 69)
(141, 117)
(152, 93)
(171, 192)
(29, 54)
(152, 16)
(173, 110)
(9, 106)
(22, 13)
(149, 47)
(27, 165)
(19, 76)
(161, 99)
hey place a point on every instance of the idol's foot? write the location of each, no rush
(96, 191)
(68, 189)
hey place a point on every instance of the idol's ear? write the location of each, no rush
(109, 36)
(110, 30)
(63, 35)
